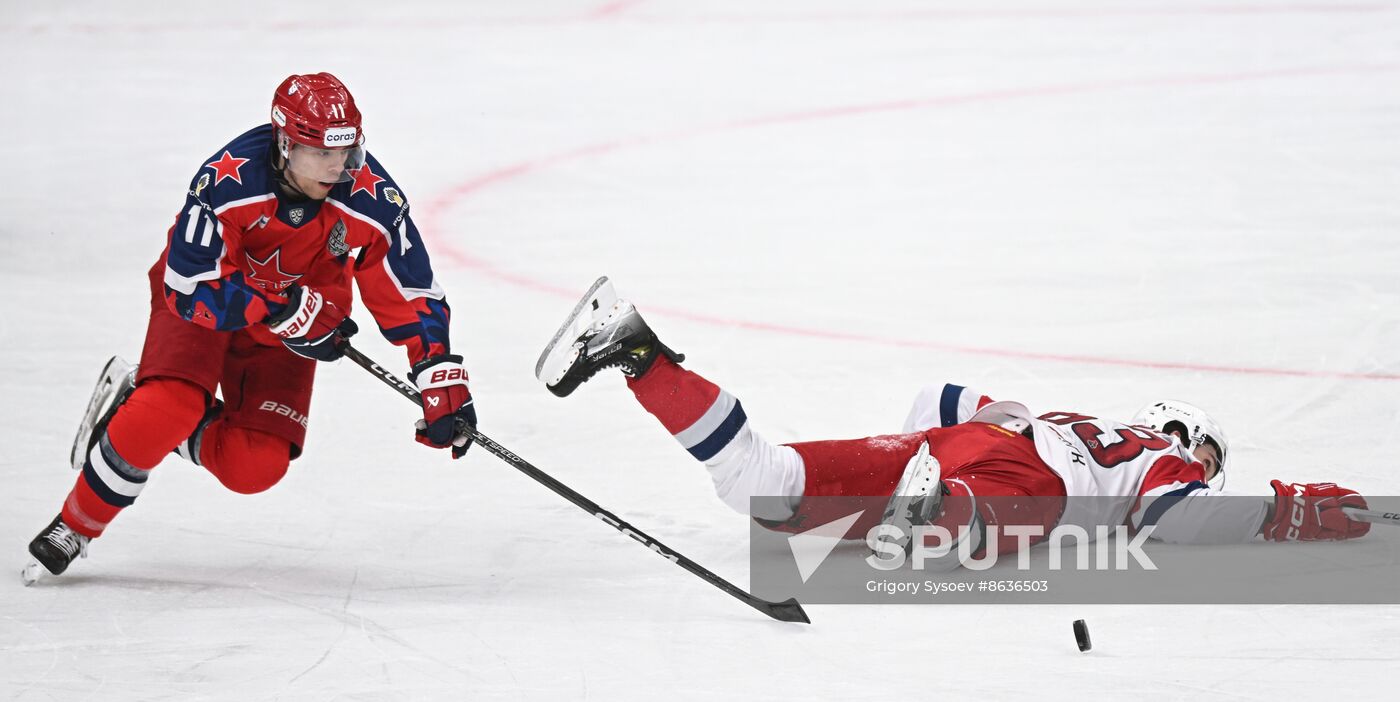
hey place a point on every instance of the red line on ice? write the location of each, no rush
(623, 8)
(444, 201)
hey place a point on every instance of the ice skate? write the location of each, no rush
(601, 332)
(918, 497)
(54, 549)
(922, 498)
(115, 384)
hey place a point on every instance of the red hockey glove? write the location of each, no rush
(442, 381)
(311, 326)
(1313, 512)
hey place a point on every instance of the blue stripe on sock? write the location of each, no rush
(722, 435)
(948, 404)
(119, 465)
(1162, 503)
(104, 492)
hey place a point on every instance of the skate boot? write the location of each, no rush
(54, 549)
(918, 497)
(601, 332)
(115, 384)
(923, 499)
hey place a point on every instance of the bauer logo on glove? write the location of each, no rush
(311, 326)
(447, 403)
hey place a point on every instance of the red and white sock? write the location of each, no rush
(158, 415)
(711, 424)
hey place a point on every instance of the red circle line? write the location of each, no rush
(446, 200)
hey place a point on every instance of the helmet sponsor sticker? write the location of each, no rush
(339, 136)
(278, 117)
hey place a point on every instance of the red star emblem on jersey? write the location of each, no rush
(227, 167)
(365, 180)
(268, 272)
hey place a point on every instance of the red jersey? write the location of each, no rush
(240, 242)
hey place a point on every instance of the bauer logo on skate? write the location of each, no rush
(283, 410)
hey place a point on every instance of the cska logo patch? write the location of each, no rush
(336, 245)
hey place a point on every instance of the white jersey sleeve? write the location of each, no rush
(943, 406)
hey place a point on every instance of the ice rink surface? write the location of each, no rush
(1080, 204)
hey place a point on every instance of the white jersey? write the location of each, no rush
(1137, 473)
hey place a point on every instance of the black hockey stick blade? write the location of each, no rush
(786, 611)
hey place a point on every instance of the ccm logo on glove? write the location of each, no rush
(1313, 512)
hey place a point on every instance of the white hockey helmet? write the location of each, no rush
(1193, 423)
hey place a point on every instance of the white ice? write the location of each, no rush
(1079, 204)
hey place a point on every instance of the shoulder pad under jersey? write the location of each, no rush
(373, 193)
(241, 169)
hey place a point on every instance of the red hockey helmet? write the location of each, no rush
(317, 111)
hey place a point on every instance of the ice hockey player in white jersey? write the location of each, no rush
(955, 442)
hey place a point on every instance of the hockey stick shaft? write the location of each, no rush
(1372, 516)
(788, 611)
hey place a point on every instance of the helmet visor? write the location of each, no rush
(323, 164)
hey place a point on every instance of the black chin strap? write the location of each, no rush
(288, 186)
(279, 173)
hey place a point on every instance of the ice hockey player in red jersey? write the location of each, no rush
(252, 289)
(955, 442)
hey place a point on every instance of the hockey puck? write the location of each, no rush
(1081, 635)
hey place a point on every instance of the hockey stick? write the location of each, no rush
(1372, 516)
(786, 611)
